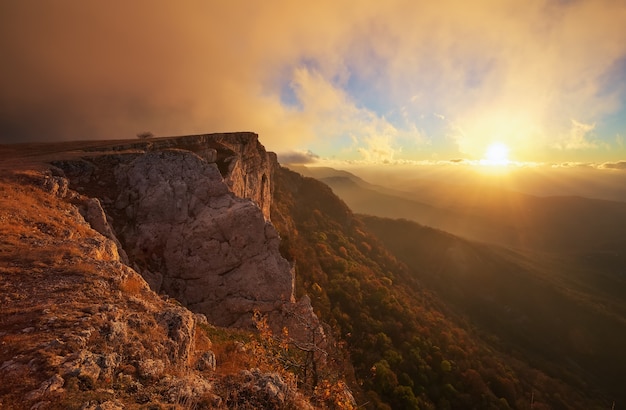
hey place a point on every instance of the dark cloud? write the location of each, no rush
(88, 70)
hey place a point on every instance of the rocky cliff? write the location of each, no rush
(192, 214)
(105, 251)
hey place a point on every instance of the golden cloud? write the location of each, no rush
(511, 70)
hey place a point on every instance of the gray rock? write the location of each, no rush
(250, 170)
(216, 252)
(107, 405)
(186, 391)
(83, 365)
(56, 185)
(115, 331)
(193, 214)
(93, 213)
(150, 368)
(267, 388)
(180, 326)
(206, 361)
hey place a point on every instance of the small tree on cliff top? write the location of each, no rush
(144, 135)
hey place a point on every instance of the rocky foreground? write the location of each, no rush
(106, 251)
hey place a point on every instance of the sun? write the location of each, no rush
(497, 154)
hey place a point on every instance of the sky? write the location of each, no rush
(367, 82)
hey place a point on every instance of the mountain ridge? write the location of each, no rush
(512, 219)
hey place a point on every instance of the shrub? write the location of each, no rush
(145, 135)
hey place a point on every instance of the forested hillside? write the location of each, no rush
(407, 348)
(568, 319)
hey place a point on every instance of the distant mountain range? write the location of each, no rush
(564, 224)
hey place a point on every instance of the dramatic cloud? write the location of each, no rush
(378, 149)
(358, 81)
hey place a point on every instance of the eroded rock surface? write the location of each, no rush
(192, 215)
(76, 321)
(250, 169)
(213, 251)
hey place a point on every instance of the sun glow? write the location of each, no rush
(497, 154)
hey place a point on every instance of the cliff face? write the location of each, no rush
(198, 242)
(55, 337)
(192, 214)
(250, 169)
(245, 165)
(104, 250)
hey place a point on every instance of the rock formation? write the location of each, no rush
(81, 329)
(201, 244)
(192, 214)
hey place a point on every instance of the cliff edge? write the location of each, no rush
(192, 215)
(118, 259)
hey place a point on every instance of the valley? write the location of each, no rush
(541, 278)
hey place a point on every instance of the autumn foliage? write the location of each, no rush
(407, 350)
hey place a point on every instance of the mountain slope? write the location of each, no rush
(559, 315)
(408, 349)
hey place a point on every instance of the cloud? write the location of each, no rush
(316, 77)
(578, 137)
(574, 165)
(378, 149)
(507, 71)
(298, 157)
(614, 165)
(92, 70)
(336, 119)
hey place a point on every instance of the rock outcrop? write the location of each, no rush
(192, 216)
(198, 242)
(104, 253)
(74, 316)
(245, 165)
(250, 169)
(81, 329)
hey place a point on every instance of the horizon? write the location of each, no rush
(391, 83)
(555, 180)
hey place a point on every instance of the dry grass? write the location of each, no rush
(202, 341)
(133, 285)
(46, 283)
